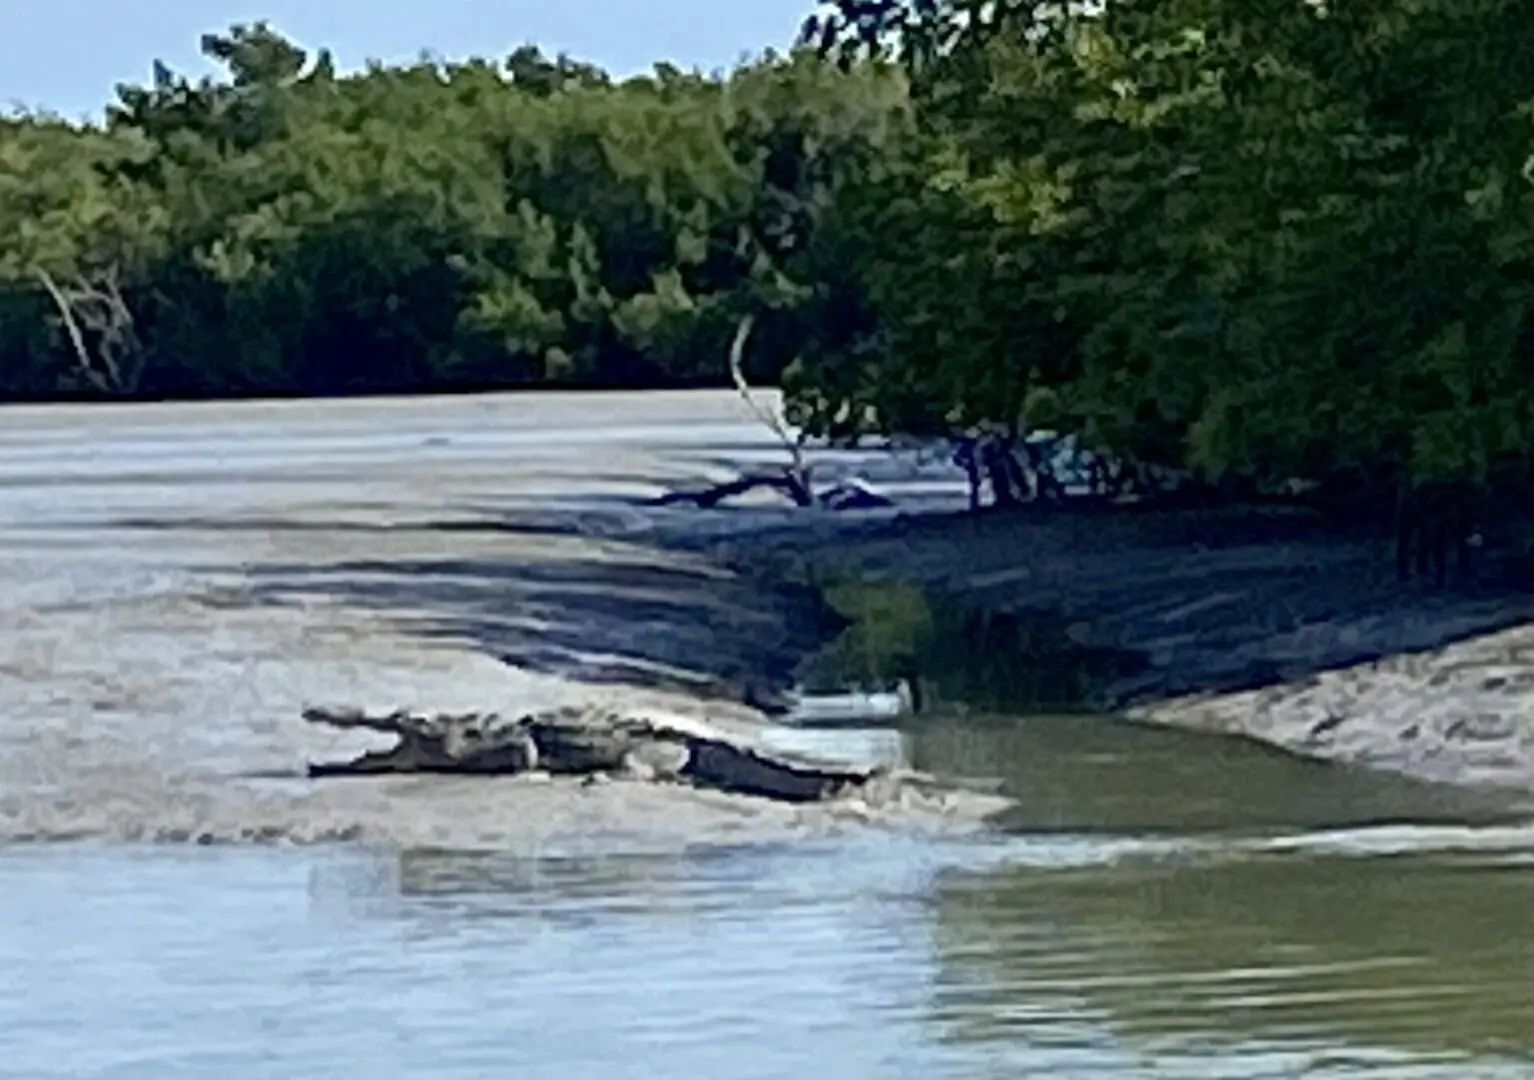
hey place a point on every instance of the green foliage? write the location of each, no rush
(1272, 240)
(287, 230)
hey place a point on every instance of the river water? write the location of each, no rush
(1156, 905)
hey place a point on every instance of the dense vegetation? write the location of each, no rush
(1266, 238)
(1260, 239)
(286, 230)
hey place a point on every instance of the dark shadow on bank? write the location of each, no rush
(1097, 611)
(590, 617)
(961, 658)
(655, 610)
(1100, 607)
(606, 591)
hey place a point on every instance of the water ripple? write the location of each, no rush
(865, 956)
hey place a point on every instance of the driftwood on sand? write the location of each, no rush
(589, 742)
(792, 480)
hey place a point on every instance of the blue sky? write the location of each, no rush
(67, 55)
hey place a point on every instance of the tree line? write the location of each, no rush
(1267, 242)
(288, 230)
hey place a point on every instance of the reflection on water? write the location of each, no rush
(1159, 905)
(957, 655)
(1424, 957)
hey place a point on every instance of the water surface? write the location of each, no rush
(1160, 905)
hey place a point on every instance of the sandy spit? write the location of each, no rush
(178, 582)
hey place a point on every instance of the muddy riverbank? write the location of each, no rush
(180, 582)
(1259, 623)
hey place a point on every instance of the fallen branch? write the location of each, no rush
(711, 497)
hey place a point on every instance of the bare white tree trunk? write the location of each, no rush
(798, 470)
(94, 306)
(793, 480)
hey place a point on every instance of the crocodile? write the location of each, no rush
(598, 742)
